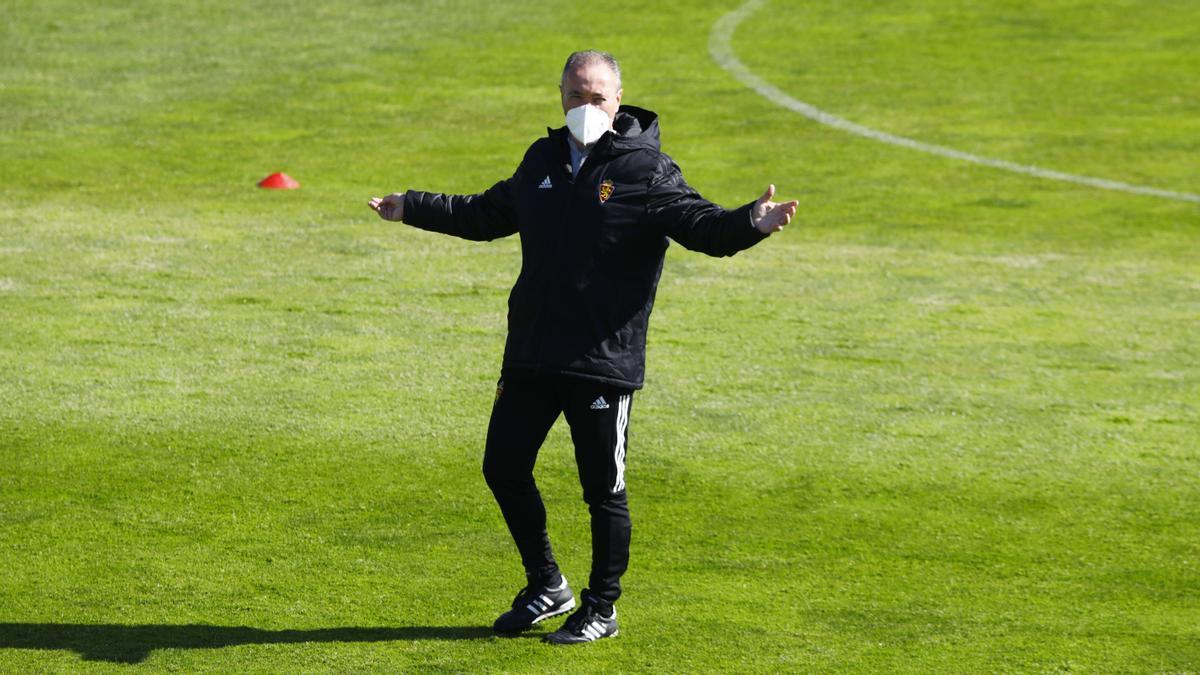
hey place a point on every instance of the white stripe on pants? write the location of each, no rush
(619, 451)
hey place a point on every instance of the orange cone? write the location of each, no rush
(278, 181)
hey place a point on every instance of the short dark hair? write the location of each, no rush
(590, 56)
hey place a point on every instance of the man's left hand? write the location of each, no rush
(768, 216)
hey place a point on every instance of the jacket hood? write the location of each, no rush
(634, 128)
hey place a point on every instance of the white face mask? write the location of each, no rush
(587, 123)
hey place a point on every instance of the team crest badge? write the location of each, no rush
(606, 190)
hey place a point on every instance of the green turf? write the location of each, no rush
(949, 424)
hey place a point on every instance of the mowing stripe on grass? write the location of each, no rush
(722, 53)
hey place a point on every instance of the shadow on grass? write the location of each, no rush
(132, 644)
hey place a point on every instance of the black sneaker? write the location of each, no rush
(534, 603)
(587, 624)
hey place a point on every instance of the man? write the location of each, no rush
(594, 204)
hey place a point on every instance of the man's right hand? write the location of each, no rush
(390, 207)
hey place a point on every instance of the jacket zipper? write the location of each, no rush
(560, 237)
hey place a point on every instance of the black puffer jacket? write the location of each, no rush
(592, 245)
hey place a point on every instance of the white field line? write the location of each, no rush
(722, 53)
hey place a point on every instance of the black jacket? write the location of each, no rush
(592, 245)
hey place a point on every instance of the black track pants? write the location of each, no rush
(598, 414)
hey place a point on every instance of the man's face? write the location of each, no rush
(593, 83)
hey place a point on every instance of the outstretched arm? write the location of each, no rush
(480, 217)
(701, 225)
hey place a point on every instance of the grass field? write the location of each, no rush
(948, 424)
